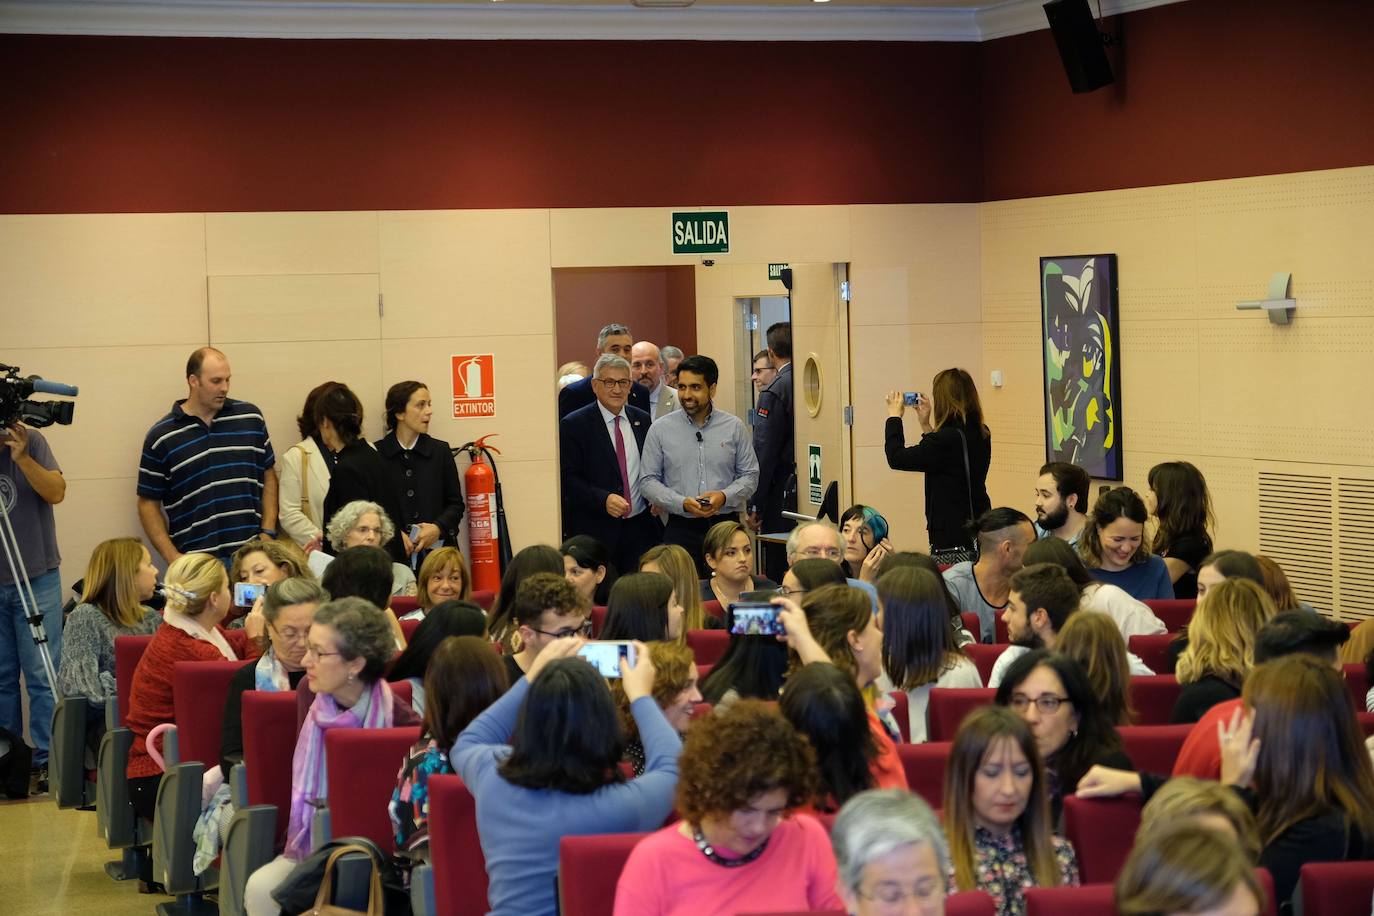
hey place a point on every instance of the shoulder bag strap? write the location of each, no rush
(374, 896)
(968, 475)
(305, 485)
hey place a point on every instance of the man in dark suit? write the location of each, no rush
(599, 448)
(615, 340)
(776, 450)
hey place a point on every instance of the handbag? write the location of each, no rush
(323, 902)
(948, 556)
(311, 883)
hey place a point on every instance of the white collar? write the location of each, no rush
(607, 417)
(191, 627)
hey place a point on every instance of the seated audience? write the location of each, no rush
(735, 850)
(464, 678)
(866, 545)
(889, 848)
(268, 562)
(1188, 868)
(1072, 730)
(363, 524)
(820, 540)
(1061, 498)
(729, 553)
(1113, 547)
(1179, 501)
(1095, 643)
(1132, 617)
(752, 668)
(365, 572)
(920, 648)
(981, 587)
(349, 647)
(443, 577)
(910, 559)
(643, 606)
(673, 561)
(997, 812)
(451, 618)
(806, 576)
(543, 763)
(1227, 564)
(1221, 647)
(359, 473)
(587, 564)
(536, 558)
(545, 608)
(288, 609)
(1206, 802)
(675, 691)
(1280, 590)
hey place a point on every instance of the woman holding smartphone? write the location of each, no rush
(954, 452)
(421, 470)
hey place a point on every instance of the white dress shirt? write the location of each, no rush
(637, 501)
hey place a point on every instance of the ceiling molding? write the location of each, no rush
(490, 21)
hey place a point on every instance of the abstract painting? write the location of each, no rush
(1082, 355)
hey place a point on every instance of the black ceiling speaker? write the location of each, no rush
(1080, 44)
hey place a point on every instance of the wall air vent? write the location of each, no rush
(1296, 513)
(1355, 547)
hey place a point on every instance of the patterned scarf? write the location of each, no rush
(269, 674)
(373, 710)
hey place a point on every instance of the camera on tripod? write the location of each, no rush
(15, 405)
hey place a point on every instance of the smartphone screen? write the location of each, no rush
(755, 619)
(245, 593)
(605, 656)
(911, 398)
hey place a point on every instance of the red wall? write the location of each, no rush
(658, 303)
(1209, 89)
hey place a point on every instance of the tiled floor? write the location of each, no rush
(53, 862)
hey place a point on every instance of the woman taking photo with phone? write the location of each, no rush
(954, 452)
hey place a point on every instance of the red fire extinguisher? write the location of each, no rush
(484, 535)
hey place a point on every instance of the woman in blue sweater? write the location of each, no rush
(1113, 547)
(562, 777)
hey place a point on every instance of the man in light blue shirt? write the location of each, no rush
(698, 464)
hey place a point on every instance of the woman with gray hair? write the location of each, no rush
(889, 849)
(288, 609)
(363, 523)
(349, 646)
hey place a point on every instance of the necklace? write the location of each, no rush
(709, 852)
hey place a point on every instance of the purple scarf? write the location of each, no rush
(307, 766)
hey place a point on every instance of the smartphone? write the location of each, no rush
(245, 593)
(755, 618)
(605, 656)
(911, 398)
(704, 502)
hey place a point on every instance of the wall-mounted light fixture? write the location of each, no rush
(1278, 305)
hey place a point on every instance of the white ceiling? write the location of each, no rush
(720, 20)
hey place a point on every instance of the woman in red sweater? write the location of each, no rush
(197, 591)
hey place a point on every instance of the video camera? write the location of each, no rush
(15, 405)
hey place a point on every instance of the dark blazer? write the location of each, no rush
(360, 473)
(426, 482)
(579, 394)
(773, 444)
(941, 456)
(590, 472)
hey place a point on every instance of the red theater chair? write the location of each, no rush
(403, 604)
(1153, 650)
(949, 706)
(1335, 888)
(361, 765)
(1088, 900)
(1154, 748)
(707, 645)
(901, 713)
(970, 903)
(408, 628)
(484, 599)
(598, 620)
(1357, 683)
(973, 625)
(1175, 612)
(985, 657)
(1102, 831)
(1366, 720)
(457, 869)
(1153, 697)
(999, 630)
(713, 609)
(589, 868)
(925, 769)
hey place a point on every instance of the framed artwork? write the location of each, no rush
(1081, 348)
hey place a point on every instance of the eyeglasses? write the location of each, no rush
(311, 650)
(290, 635)
(789, 592)
(1047, 703)
(583, 629)
(890, 892)
(822, 553)
(615, 383)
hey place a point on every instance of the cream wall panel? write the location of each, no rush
(1011, 478)
(251, 244)
(101, 280)
(760, 235)
(94, 510)
(530, 491)
(285, 308)
(938, 248)
(903, 358)
(623, 237)
(526, 415)
(899, 495)
(470, 272)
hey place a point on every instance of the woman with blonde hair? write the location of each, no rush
(1221, 647)
(1206, 802)
(997, 812)
(1187, 868)
(268, 562)
(673, 561)
(1094, 641)
(443, 577)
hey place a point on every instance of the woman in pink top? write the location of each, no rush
(735, 849)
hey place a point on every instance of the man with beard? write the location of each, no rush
(1061, 495)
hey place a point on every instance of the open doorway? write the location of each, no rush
(658, 303)
(754, 316)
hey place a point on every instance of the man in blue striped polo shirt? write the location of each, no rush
(207, 464)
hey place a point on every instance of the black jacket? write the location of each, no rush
(941, 456)
(426, 482)
(579, 394)
(590, 473)
(360, 473)
(774, 444)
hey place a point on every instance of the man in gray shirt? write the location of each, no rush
(698, 464)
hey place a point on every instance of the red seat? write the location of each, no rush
(999, 630)
(361, 766)
(973, 625)
(925, 769)
(1357, 683)
(598, 620)
(1366, 720)
(269, 744)
(1154, 748)
(970, 903)
(198, 693)
(900, 712)
(460, 870)
(589, 868)
(1102, 831)
(408, 628)
(402, 691)
(1153, 697)
(1153, 650)
(949, 706)
(484, 599)
(128, 651)
(1174, 612)
(702, 671)
(1336, 888)
(713, 609)
(404, 604)
(702, 710)
(1088, 900)
(1266, 880)
(707, 645)
(985, 657)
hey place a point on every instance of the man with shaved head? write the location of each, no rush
(646, 368)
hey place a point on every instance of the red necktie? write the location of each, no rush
(624, 465)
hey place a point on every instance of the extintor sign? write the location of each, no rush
(474, 386)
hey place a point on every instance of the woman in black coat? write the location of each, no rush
(421, 470)
(358, 472)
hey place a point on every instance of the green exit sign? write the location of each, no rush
(775, 271)
(704, 232)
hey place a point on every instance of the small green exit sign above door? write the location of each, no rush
(775, 271)
(704, 232)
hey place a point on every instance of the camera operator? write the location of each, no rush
(30, 485)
